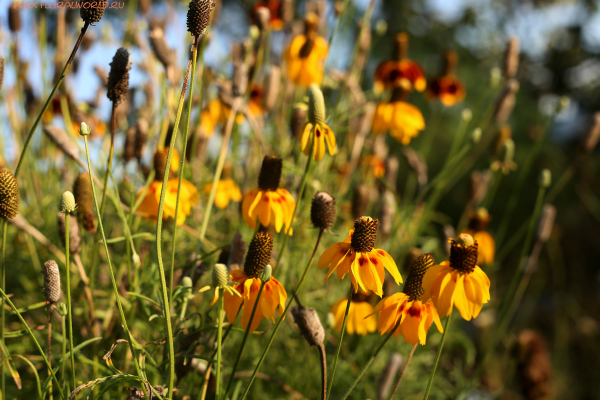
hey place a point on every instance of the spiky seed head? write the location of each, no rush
(82, 190)
(240, 79)
(309, 325)
(67, 202)
(220, 276)
(259, 254)
(545, 178)
(322, 210)
(414, 283)
(360, 200)
(511, 58)
(91, 11)
(74, 237)
(316, 105)
(51, 281)
(364, 235)
(14, 18)
(118, 77)
(9, 194)
(463, 253)
(198, 16)
(270, 173)
(84, 129)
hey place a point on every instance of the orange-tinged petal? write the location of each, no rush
(248, 205)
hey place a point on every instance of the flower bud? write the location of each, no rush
(265, 275)
(476, 135)
(545, 179)
(135, 258)
(186, 282)
(84, 130)
(220, 276)
(467, 114)
(67, 202)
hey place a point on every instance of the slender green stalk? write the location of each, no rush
(50, 97)
(3, 283)
(404, 368)
(110, 268)
(69, 314)
(241, 350)
(159, 222)
(295, 294)
(337, 352)
(37, 344)
(369, 362)
(437, 357)
(182, 168)
(219, 344)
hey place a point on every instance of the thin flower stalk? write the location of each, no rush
(437, 358)
(337, 352)
(110, 268)
(295, 294)
(69, 313)
(3, 279)
(219, 346)
(404, 368)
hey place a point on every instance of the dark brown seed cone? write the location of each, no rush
(9, 194)
(1, 71)
(14, 18)
(91, 11)
(534, 366)
(270, 173)
(51, 281)
(88, 222)
(118, 77)
(82, 190)
(259, 254)
(160, 163)
(309, 325)
(307, 47)
(365, 234)
(198, 16)
(129, 148)
(463, 257)
(272, 88)
(74, 237)
(322, 210)
(414, 283)
(141, 138)
(236, 252)
(360, 200)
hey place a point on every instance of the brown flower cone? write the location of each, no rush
(9, 195)
(118, 77)
(198, 16)
(259, 254)
(90, 14)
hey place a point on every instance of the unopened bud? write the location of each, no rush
(135, 258)
(265, 275)
(220, 276)
(84, 130)
(476, 135)
(316, 105)
(465, 240)
(495, 77)
(67, 202)
(545, 178)
(467, 114)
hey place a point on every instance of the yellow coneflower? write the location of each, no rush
(459, 282)
(414, 315)
(216, 113)
(400, 72)
(188, 194)
(360, 315)
(447, 87)
(306, 55)
(478, 229)
(403, 120)
(248, 283)
(276, 21)
(356, 255)
(227, 190)
(269, 203)
(316, 126)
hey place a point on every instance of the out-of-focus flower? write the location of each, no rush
(276, 21)
(227, 190)
(447, 87)
(459, 282)
(375, 164)
(404, 121)
(478, 229)
(356, 255)
(360, 318)
(400, 71)
(216, 114)
(306, 55)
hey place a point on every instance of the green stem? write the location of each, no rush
(182, 168)
(437, 358)
(246, 334)
(369, 362)
(69, 314)
(3, 283)
(404, 368)
(296, 292)
(219, 340)
(337, 352)
(110, 267)
(49, 100)
(37, 344)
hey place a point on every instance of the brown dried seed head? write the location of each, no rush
(545, 223)
(590, 140)
(14, 18)
(9, 194)
(118, 77)
(51, 281)
(160, 163)
(309, 325)
(360, 200)
(74, 237)
(414, 283)
(237, 250)
(272, 88)
(365, 234)
(62, 141)
(322, 210)
(91, 11)
(511, 58)
(463, 253)
(198, 16)
(270, 173)
(82, 190)
(259, 254)
(88, 222)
